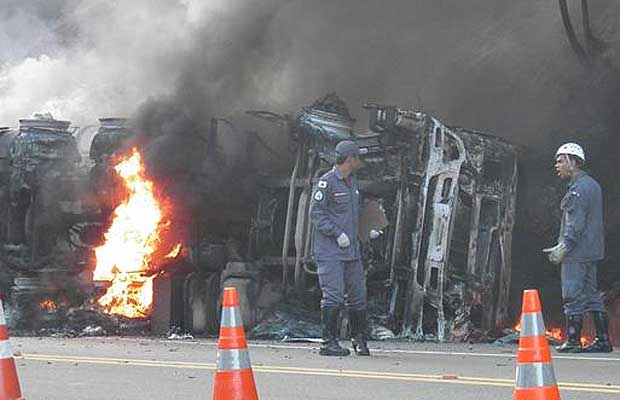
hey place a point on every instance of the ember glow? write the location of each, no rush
(554, 333)
(128, 259)
(48, 306)
(175, 252)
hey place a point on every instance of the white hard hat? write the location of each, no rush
(572, 149)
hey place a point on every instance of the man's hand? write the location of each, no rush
(343, 240)
(556, 253)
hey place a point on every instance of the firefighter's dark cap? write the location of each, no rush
(347, 148)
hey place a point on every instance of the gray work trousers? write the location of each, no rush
(342, 283)
(580, 288)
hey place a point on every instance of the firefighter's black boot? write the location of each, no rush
(573, 331)
(601, 343)
(330, 346)
(359, 324)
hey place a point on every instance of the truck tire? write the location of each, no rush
(201, 300)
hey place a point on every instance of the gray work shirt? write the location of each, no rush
(582, 220)
(334, 210)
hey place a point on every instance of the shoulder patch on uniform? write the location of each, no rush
(322, 184)
(318, 195)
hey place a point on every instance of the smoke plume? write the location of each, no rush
(503, 67)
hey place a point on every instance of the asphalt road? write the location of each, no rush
(135, 368)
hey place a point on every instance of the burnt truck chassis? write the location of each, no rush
(444, 199)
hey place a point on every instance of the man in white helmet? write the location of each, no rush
(580, 247)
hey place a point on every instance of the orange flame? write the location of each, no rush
(126, 259)
(175, 252)
(555, 333)
(48, 306)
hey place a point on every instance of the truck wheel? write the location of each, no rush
(201, 296)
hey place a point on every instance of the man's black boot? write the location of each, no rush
(330, 346)
(601, 343)
(359, 324)
(573, 331)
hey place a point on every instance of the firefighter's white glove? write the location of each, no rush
(375, 233)
(343, 240)
(556, 253)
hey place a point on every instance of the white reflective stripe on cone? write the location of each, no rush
(231, 317)
(5, 349)
(532, 325)
(535, 375)
(233, 359)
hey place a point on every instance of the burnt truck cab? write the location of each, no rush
(449, 195)
(443, 199)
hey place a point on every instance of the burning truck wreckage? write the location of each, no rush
(93, 245)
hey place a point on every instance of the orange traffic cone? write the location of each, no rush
(234, 379)
(535, 378)
(9, 383)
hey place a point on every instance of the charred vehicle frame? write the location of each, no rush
(443, 197)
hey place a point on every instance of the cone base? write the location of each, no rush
(9, 383)
(235, 385)
(540, 393)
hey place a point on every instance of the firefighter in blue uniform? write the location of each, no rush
(580, 247)
(334, 214)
